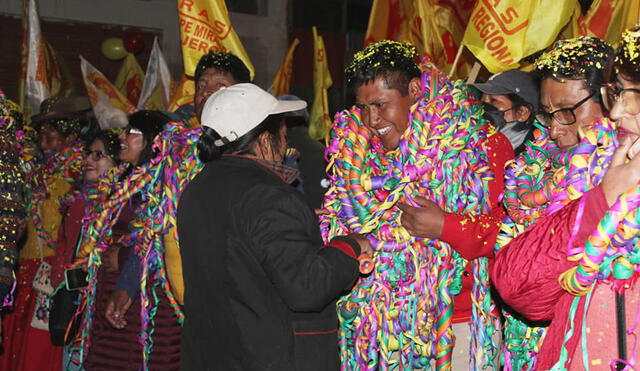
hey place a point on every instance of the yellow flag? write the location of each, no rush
(204, 26)
(183, 93)
(605, 19)
(319, 120)
(501, 33)
(130, 78)
(282, 81)
(110, 106)
(435, 27)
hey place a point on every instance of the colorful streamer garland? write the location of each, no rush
(400, 315)
(65, 165)
(539, 182)
(159, 183)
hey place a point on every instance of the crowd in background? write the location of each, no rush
(456, 226)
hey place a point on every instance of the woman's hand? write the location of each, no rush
(621, 176)
(117, 306)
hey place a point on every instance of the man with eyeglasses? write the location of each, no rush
(568, 104)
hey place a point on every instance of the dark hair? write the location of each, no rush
(223, 62)
(584, 58)
(150, 123)
(627, 62)
(393, 60)
(207, 151)
(517, 102)
(111, 142)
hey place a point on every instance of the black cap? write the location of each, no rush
(520, 83)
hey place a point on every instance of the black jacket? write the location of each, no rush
(259, 290)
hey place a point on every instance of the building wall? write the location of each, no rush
(264, 37)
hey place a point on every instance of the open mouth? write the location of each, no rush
(384, 131)
(123, 146)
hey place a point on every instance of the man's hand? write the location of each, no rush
(620, 176)
(117, 306)
(425, 221)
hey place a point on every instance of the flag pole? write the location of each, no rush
(455, 61)
(473, 75)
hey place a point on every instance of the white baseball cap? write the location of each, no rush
(236, 110)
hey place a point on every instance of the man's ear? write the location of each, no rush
(415, 88)
(523, 113)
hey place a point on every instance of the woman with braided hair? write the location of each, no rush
(414, 137)
(565, 193)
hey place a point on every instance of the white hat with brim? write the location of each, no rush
(234, 111)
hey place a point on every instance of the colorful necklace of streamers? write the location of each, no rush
(405, 305)
(66, 165)
(611, 254)
(160, 183)
(540, 181)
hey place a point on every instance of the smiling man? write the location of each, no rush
(418, 141)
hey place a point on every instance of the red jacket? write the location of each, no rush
(526, 271)
(475, 236)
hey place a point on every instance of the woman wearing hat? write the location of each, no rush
(260, 289)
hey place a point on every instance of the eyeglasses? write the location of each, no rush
(628, 97)
(563, 116)
(95, 155)
(131, 130)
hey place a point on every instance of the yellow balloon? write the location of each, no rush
(113, 48)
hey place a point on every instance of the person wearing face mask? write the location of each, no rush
(398, 173)
(252, 250)
(56, 170)
(555, 196)
(510, 101)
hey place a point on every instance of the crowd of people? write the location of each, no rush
(456, 225)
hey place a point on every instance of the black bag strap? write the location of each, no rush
(621, 329)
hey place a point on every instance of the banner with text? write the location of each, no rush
(204, 26)
(502, 32)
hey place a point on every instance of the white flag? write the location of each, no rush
(110, 106)
(156, 89)
(35, 88)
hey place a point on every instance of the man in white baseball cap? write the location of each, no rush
(257, 277)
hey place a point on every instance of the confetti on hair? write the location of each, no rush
(405, 305)
(393, 55)
(629, 50)
(573, 58)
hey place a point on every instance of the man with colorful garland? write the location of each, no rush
(555, 196)
(418, 140)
